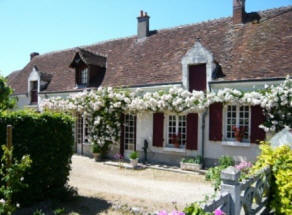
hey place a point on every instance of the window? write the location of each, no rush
(130, 132)
(81, 130)
(177, 131)
(237, 121)
(84, 76)
(34, 92)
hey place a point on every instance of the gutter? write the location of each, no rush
(246, 80)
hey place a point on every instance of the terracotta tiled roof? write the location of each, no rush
(247, 51)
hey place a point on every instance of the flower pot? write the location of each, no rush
(134, 162)
(97, 156)
(190, 166)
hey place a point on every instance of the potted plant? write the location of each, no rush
(238, 132)
(192, 164)
(134, 157)
(96, 151)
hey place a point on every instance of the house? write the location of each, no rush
(245, 51)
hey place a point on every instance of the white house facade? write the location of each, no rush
(226, 53)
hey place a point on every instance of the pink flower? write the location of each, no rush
(218, 212)
(243, 165)
(118, 156)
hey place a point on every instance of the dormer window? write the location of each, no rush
(84, 76)
(34, 92)
(89, 68)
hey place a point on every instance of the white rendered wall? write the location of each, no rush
(145, 132)
(215, 149)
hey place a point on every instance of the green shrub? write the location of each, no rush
(195, 160)
(213, 174)
(226, 161)
(11, 178)
(38, 212)
(59, 211)
(280, 160)
(134, 155)
(47, 138)
(195, 209)
(96, 148)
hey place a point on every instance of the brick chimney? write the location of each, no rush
(143, 25)
(238, 11)
(33, 54)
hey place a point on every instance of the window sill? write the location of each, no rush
(169, 149)
(236, 144)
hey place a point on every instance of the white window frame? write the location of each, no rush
(84, 76)
(166, 131)
(130, 129)
(84, 139)
(230, 141)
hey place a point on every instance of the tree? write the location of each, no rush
(6, 101)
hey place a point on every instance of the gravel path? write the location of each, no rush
(149, 188)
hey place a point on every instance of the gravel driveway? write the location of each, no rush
(148, 189)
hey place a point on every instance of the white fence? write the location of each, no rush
(247, 197)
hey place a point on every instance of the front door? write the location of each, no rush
(129, 134)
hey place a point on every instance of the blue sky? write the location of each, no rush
(49, 25)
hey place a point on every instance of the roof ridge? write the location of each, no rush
(159, 30)
(273, 9)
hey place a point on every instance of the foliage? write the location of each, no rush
(38, 212)
(195, 209)
(134, 155)
(195, 160)
(59, 211)
(244, 168)
(280, 160)
(11, 173)
(47, 138)
(6, 101)
(213, 174)
(96, 148)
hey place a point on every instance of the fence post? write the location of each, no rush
(9, 136)
(230, 184)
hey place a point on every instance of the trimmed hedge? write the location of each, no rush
(48, 139)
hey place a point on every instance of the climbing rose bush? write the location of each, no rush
(103, 107)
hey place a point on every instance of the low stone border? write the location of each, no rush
(154, 166)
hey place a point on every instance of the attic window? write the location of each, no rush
(84, 76)
(34, 92)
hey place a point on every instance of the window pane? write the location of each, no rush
(129, 132)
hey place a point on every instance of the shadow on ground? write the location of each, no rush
(80, 205)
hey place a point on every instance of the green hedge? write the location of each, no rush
(47, 138)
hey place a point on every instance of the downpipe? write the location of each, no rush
(203, 138)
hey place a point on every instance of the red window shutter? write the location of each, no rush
(158, 119)
(192, 131)
(77, 76)
(257, 118)
(122, 135)
(215, 121)
(197, 77)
